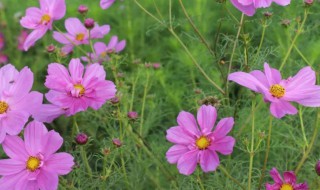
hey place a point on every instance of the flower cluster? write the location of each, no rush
(3, 57)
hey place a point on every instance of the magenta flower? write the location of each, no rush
(104, 4)
(195, 145)
(102, 50)
(40, 20)
(17, 103)
(280, 92)
(289, 182)
(74, 90)
(2, 41)
(21, 39)
(249, 7)
(33, 163)
(78, 34)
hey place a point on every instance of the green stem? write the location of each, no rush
(224, 170)
(302, 127)
(314, 136)
(144, 103)
(298, 32)
(264, 26)
(267, 154)
(252, 144)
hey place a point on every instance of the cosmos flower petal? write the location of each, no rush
(104, 4)
(209, 160)
(48, 112)
(175, 152)
(11, 166)
(100, 47)
(273, 187)
(301, 186)
(187, 121)
(273, 75)
(247, 80)
(10, 181)
(223, 146)
(305, 78)
(14, 147)
(206, 117)
(34, 36)
(282, 2)
(223, 127)
(50, 143)
(248, 10)
(76, 70)
(281, 108)
(120, 46)
(33, 131)
(60, 163)
(48, 180)
(14, 122)
(276, 176)
(187, 163)
(179, 136)
(57, 9)
(74, 26)
(289, 177)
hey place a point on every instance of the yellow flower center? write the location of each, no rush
(80, 88)
(3, 107)
(203, 142)
(80, 36)
(103, 54)
(45, 19)
(286, 187)
(277, 91)
(33, 163)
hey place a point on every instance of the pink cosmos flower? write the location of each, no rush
(102, 50)
(21, 39)
(280, 92)
(104, 4)
(3, 58)
(74, 90)
(17, 103)
(199, 145)
(78, 34)
(40, 20)
(289, 182)
(1, 41)
(249, 7)
(33, 163)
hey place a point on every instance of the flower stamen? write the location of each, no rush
(277, 91)
(286, 186)
(45, 19)
(81, 89)
(3, 107)
(80, 37)
(203, 142)
(33, 163)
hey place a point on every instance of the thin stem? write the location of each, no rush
(144, 102)
(302, 127)
(264, 26)
(133, 91)
(224, 170)
(314, 136)
(82, 151)
(302, 56)
(252, 144)
(267, 154)
(196, 29)
(232, 54)
(298, 32)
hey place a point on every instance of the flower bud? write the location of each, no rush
(81, 138)
(117, 142)
(308, 2)
(114, 100)
(51, 48)
(89, 23)
(132, 115)
(82, 9)
(317, 167)
(156, 65)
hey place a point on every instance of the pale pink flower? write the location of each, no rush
(33, 163)
(17, 103)
(104, 4)
(300, 88)
(75, 90)
(249, 7)
(195, 144)
(78, 34)
(288, 183)
(102, 51)
(40, 20)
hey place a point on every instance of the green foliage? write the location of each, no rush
(158, 95)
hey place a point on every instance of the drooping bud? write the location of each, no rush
(82, 9)
(117, 142)
(132, 115)
(51, 48)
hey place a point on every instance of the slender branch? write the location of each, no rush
(224, 170)
(252, 143)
